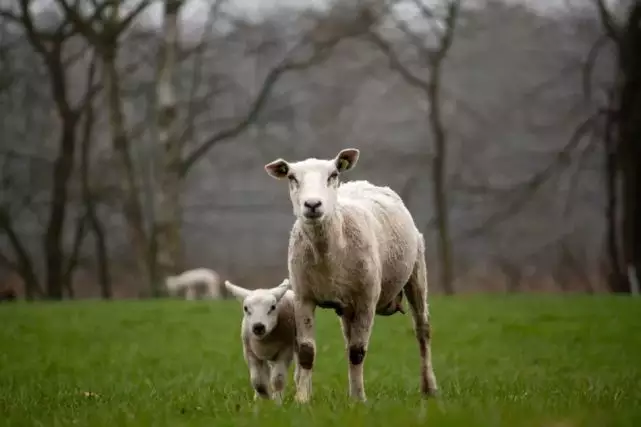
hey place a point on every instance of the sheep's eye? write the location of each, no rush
(246, 309)
(272, 308)
(292, 179)
(332, 177)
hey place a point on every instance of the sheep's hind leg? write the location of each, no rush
(416, 292)
(357, 329)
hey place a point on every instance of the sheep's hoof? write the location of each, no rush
(429, 392)
(357, 399)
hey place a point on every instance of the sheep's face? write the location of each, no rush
(260, 306)
(313, 183)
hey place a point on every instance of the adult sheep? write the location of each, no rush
(354, 247)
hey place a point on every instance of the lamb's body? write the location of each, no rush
(371, 233)
(197, 281)
(269, 354)
(355, 248)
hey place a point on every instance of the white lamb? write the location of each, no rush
(268, 333)
(205, 279)
(355, 248)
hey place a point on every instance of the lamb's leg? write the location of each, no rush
(278, 378)
(416, 292)
(305, 347)
(296, 369)
(357, 329)
(258, 376)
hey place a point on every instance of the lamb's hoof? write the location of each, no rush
(301, 398)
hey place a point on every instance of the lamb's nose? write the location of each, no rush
(258, 329)
(312, 204)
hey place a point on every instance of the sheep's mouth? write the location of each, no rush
(312, 215)
(260, 335)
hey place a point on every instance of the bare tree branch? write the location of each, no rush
(196, 78)
(80, 233)
(590, 62)
(561, 159)
(24, 262)
(611, 28)
(395, 62)
(287, 65)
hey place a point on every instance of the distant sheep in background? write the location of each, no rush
(354, 248)
(201, 281)
(268, 333)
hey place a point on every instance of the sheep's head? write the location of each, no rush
(313, 182)
(260, 306)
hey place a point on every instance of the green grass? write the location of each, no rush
(500, 361)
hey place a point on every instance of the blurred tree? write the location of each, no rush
(102, 28)
(621, 136)
(430, 36)
(167, 247)
(49, 42)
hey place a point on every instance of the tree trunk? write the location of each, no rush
(129, 185)
(168, 213)
(53, 247)
(628, 120)
(102, 256)
(439, 181)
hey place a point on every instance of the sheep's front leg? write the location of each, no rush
(357, 329)
(305, 347)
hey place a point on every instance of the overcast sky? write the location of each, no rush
(195, 11)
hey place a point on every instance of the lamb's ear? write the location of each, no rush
(278, 169)
(347, 159)
(280, 290)
(237, 291)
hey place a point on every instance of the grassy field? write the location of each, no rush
(500, 361)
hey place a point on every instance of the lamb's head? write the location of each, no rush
(260, 306)
(313, 182)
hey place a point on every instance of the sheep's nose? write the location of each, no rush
(258, 328)
(312, 204)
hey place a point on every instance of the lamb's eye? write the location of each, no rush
(292, 179)
(246, 309)
(332, 177)
(273, 307)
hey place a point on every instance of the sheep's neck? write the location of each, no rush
(324, 235)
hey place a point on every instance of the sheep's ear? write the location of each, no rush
(280, 290)
(278, 169)
(237, 291)
(347, 159)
